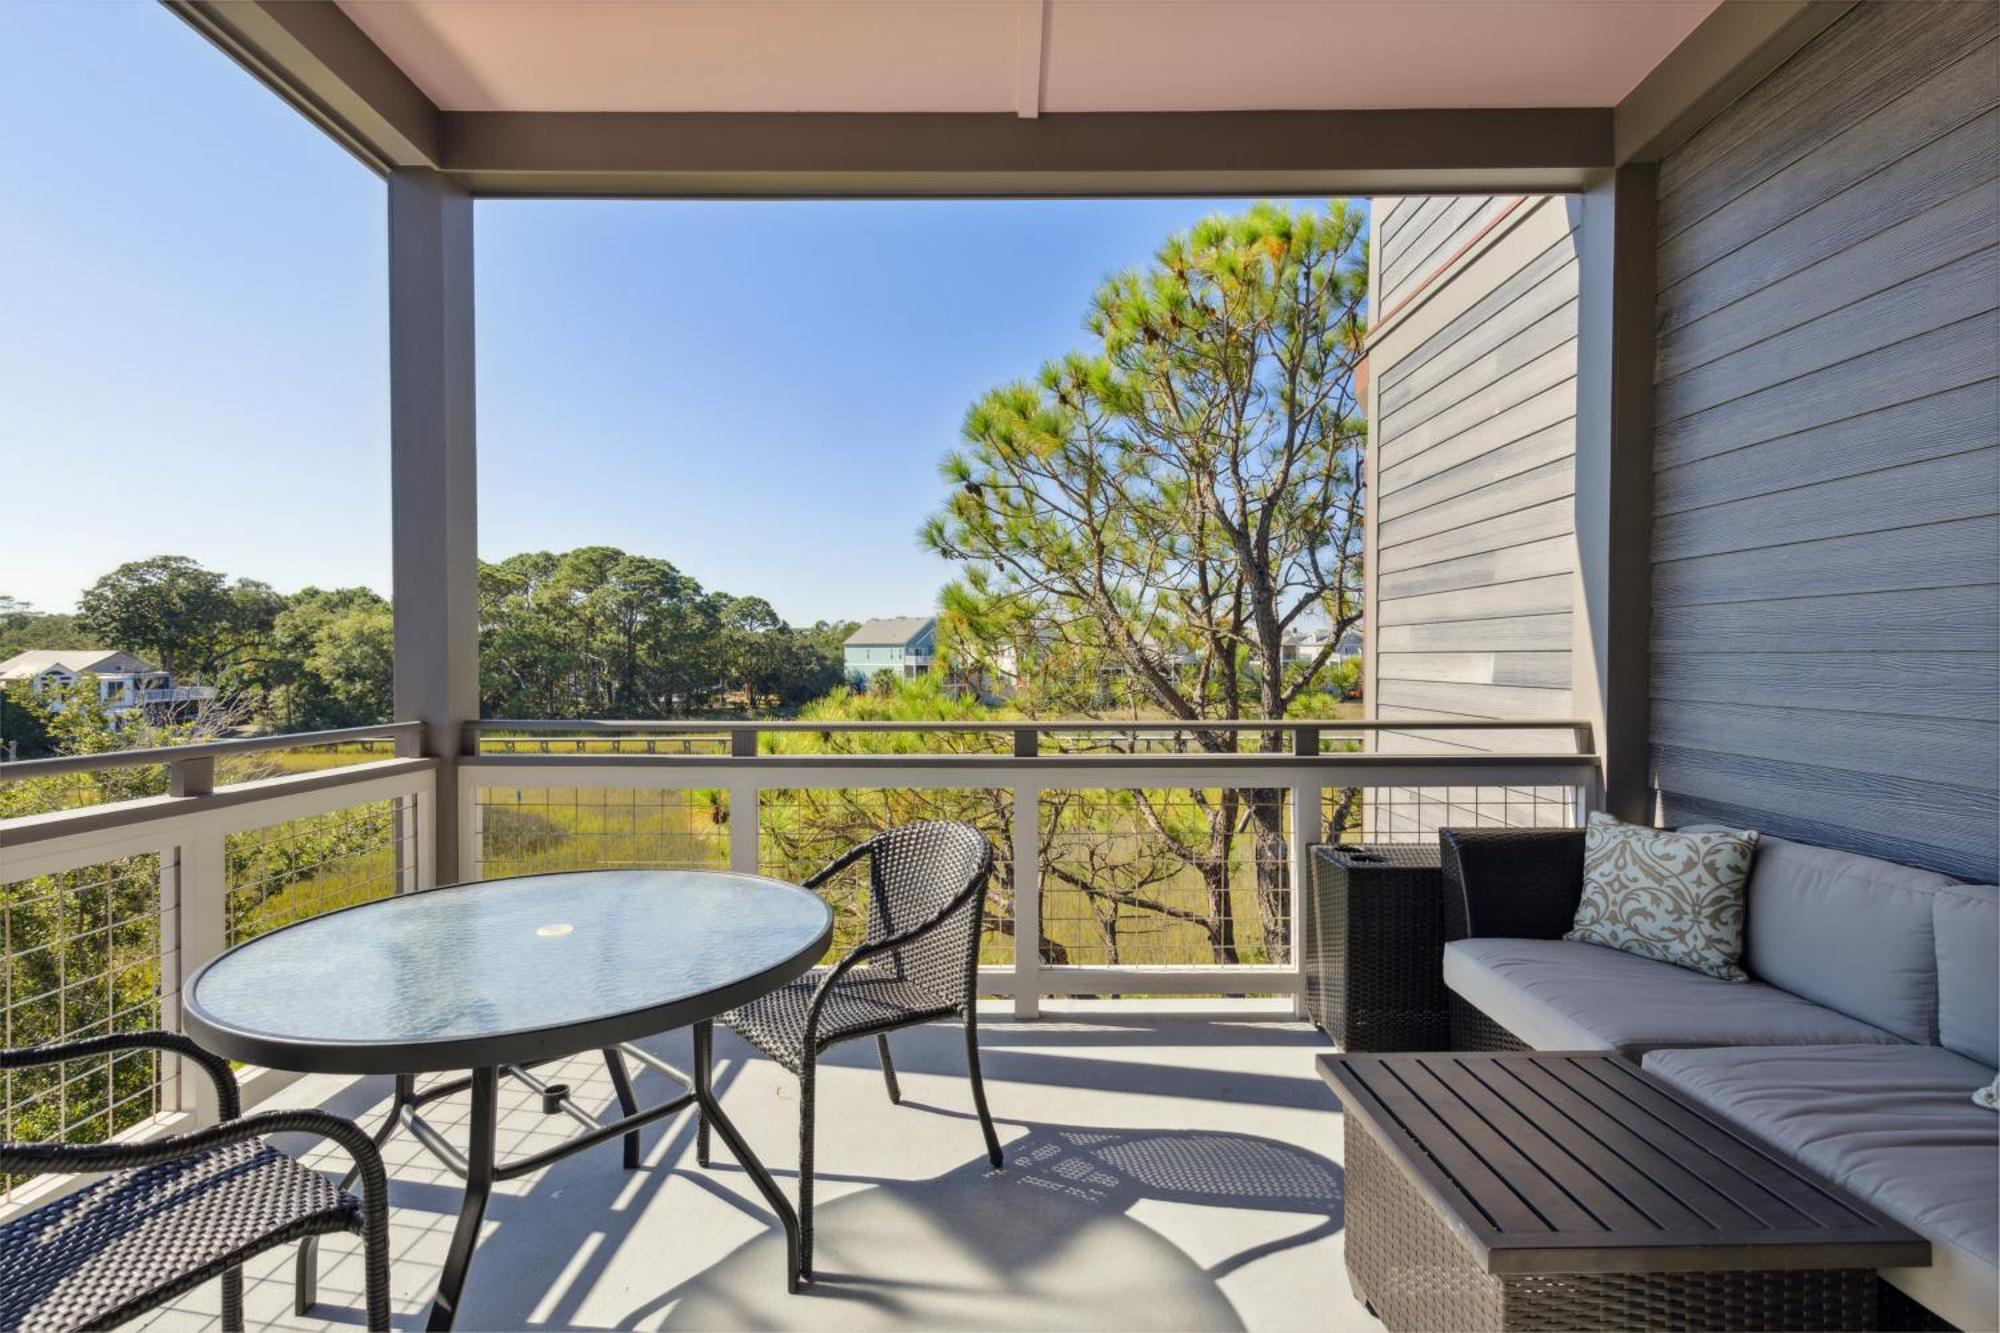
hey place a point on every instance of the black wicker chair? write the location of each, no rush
(915, 964)
(181, 1210)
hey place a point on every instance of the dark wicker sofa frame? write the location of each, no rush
(94, 1271)
(926, 905)
(1505, 883)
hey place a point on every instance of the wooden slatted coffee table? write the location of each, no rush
(1548, 1190)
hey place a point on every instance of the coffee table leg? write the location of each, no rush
(704, 1036)
(479, 1160)
(307, 1293)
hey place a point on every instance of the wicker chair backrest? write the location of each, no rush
(920, 872)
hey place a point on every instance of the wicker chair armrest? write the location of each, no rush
(1510, 883)
(839, 863)
(229, 1100)
(43, 1158)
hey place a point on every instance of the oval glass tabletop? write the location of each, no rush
(505, 971)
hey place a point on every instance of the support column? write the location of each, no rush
(433, 447)
(1614, 479)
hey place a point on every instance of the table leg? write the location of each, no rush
(704, 1036)
(479, 1160)
(628, 1102)
(307, 1293)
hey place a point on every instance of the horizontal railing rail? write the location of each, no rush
(406, 735)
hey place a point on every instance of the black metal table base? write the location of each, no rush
(480, 1168)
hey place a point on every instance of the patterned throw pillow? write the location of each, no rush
(1677, 897)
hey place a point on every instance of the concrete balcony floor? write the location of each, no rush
(1166, 1169)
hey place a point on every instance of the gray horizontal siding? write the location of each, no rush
(1473, 554)
(1475, 439)
(1417, 236)
(1826, 543)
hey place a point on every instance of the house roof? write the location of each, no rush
(891, 631)
(32, 663)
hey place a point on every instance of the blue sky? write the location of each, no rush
(193, 345)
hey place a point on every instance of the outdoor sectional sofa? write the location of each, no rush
(1872, 1015)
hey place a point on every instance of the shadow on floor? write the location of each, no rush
(1049, 1242)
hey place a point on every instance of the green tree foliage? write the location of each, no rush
(24, 723)
(169, 609)
(329, 660)
(1162, 509)
(594, 632)
(597, 632)
(22, 628)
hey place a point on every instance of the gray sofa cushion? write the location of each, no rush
(1967, 920)
(1846, 931)
(1894, 1125)
(1564, 995)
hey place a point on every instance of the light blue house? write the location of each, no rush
(906, 645)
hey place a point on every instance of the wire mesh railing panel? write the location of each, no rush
(82, 959)
(302, 868)
(1415, 814)
(799, 831)
(534, 830)
(1165, 876)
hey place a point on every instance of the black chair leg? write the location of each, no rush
(806, 1081)
(232, 1301)
(888, 1068)
(979, 1091)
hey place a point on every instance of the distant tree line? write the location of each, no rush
(594, 632)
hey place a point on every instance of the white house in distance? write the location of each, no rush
(124, 682)
(906, 645)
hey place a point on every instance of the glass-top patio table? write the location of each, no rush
(495, 977)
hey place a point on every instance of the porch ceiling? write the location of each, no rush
(1024, 56)
(893, 98)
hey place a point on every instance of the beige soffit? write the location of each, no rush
(1023, 56)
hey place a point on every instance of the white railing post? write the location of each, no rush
(176, 1087)
(201, 933)
(1027, 807)
(746, 808)
(471, 822)
(746, 828)
(1306, 799)
(423, 809)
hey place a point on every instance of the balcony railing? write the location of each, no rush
(1112, 877)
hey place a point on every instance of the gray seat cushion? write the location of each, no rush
(1564, 995)
(1968, 954)
(1894, 1125)
(1846, 931)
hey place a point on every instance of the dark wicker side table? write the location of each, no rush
(1374, 945)
(1546, 1190)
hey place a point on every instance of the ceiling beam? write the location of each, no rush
(1726, 55)
(1004, 155)
(313, 56)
